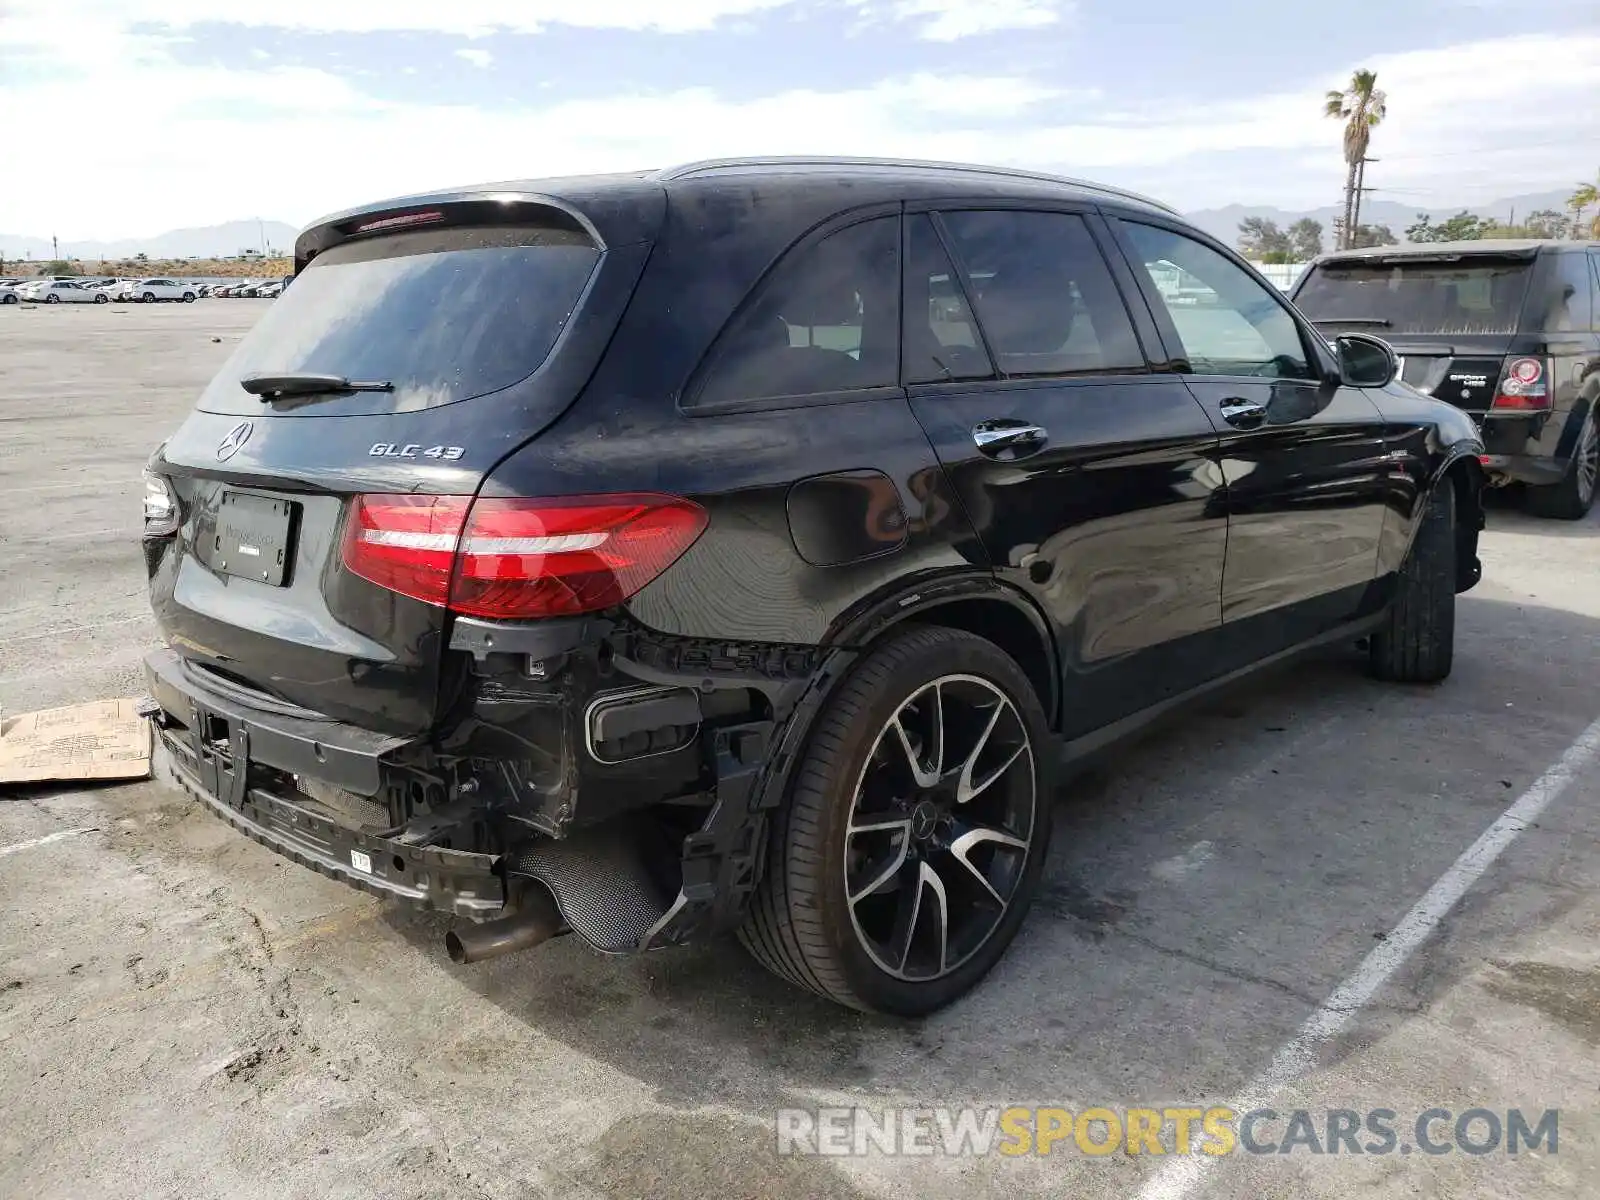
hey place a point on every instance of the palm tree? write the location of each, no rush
(1361, 106)
(1585, 195)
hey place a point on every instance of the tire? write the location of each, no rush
(1416, 642)
(102, 299)
(9, 298)
(52, 298)
(148, 298)
(1573, 497)
(188, 297)
(839, 875)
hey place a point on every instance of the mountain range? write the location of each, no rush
(227, 240)
(1223, 223)
(210, 241)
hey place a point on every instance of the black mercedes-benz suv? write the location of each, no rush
(746, 545)
(1508, 331)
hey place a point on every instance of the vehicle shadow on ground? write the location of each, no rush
(1507, 512)
(1206, 889)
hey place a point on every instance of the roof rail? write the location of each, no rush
(712, 165)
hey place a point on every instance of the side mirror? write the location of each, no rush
(1365, 361)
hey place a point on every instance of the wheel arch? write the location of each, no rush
(1462, 471)
(975, 602)
(1583, 406)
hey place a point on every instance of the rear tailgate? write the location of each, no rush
(1451, 317)
(486, 333)
(1462, 371)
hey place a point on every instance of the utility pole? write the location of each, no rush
(55, 247)
(1361, 189)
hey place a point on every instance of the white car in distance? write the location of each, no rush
(62, 291)
(148, 291)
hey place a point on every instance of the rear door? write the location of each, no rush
(484, 334)
(1092, 479)
(1304, 460)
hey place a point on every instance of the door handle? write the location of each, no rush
(1242, 413)
(1008, 439)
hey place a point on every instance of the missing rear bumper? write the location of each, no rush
(462, 882)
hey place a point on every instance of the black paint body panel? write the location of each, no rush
(1146, 551)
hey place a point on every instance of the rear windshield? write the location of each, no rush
(444, 315)
(1482, 296)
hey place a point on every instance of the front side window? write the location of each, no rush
(1229, 322)
(1044, 295)
(827, 320)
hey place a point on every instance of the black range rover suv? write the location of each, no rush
(745, 545)
(1508, 331)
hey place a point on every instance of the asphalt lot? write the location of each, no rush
(183, 1014)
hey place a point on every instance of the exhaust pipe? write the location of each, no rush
(536, 920)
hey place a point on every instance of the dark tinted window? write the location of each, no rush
(1571, 304)
(1230, 321)
(826, 321)
(941, 342)
(444, 314)
(1044, 295)
(1469, 295)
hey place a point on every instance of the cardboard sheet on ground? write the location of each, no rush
(103, 740)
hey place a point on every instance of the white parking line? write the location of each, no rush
(1181, 1177)
(43, 841)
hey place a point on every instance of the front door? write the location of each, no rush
(1305, 459)
(1091, 479)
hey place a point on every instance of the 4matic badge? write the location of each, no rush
(413, 450)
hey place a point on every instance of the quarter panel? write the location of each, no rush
(745, 579)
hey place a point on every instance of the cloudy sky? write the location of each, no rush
(146, 115)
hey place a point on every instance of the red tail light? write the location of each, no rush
(1524, 386)
(518, 559)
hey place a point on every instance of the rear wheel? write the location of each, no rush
(1416, 642)
(8, 298)
(102, 298)
(1573, 497)
(52, 298)
(148, 298)
(188, 297)
(915, 832)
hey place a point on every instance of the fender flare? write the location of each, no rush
(850, 640)
(1581, 410)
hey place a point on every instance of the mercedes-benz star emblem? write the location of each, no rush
(237, 436)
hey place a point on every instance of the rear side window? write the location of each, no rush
(825, 321)
(444, 315)
(941, 339)
(1571, 305)
(1467, 295)
(1044, 295)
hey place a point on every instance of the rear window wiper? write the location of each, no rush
(271, 386)
(1384, 321)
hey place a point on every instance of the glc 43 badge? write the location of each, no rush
(415, 450)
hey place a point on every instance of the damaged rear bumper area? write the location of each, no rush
(618, 788)
(310, 789)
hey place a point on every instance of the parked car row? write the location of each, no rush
(260, 289)
(62, 289)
